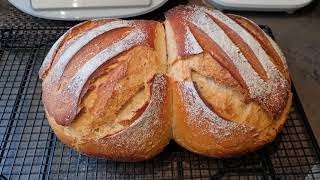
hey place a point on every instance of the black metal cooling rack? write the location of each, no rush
(30, 150)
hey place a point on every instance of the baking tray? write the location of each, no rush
(30, 150)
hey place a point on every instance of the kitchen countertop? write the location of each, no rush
(298, 35)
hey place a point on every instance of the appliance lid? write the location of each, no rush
(85, 9)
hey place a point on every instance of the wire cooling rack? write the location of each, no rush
(30, 150)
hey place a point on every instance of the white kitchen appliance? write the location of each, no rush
(260, 5)
(86, 9)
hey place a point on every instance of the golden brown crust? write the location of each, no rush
(142, 140)
(59, 45)
(235, 49)
(61, 85)
(214, 111)
(203, 134)
(244, 48)
(227, 91)
(219, 137)
(219, 56)
(256, 31)
(123, 107)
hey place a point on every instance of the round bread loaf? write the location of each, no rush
(104, 89)
(215, 83)
(230, 82)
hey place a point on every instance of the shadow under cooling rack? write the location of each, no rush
(30, 150)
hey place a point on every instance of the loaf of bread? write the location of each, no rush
(215, 83)
(105, 92)
(230, 83)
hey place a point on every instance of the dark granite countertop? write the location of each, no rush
(298, 35)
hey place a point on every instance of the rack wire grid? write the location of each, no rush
(30, 150)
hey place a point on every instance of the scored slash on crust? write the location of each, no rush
(75, 85)
(91, 68)
(235, 49)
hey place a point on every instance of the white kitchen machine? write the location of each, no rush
(260, 5)
(88, 9)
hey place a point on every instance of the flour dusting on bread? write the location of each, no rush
(80, 78)
(265, 84)
(117, 68)
(79, 43)
(257, 87)
(67, 90)
(275, 78)
(140, 133)
(52, 52)
(191, 44)
(198, 111)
